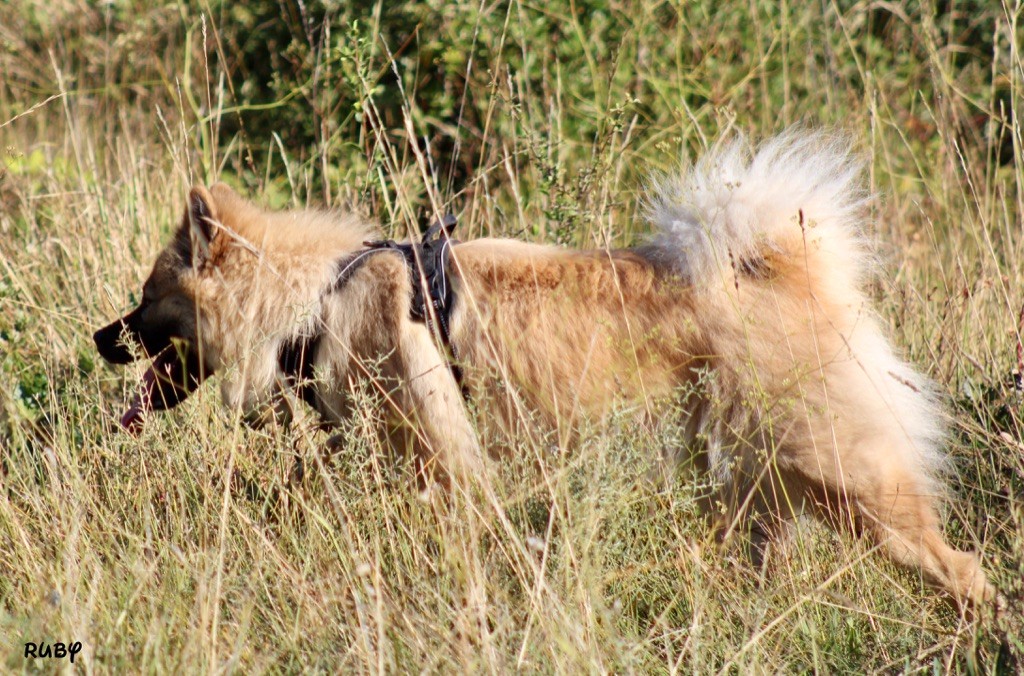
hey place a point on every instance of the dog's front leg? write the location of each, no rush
(431, 406)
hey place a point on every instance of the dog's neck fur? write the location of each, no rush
(293, 253)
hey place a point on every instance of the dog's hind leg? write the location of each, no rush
(878, 495)
(900, 515)
(762, 510)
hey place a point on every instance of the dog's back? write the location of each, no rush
(568, 333)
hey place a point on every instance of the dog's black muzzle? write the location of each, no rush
(154, 337)
(177, 369)
(109, 340)
(177, 372)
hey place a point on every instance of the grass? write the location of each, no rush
(185, 549)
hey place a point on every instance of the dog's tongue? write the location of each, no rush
(142, 402)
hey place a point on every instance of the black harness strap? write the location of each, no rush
(433, 297)
(295, 359)
(433, 300)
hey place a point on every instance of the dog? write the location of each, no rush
(749, 295)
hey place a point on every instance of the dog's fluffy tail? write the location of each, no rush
(725, 216)
(772, 239)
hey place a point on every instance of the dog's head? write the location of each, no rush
(163, 328)
(234, 286)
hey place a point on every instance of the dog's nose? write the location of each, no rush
(108, 342)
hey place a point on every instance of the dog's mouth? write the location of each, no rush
(171, 377)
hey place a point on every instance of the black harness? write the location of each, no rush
(433, 297)
(432, 294)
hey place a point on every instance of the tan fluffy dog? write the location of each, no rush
(749, 297)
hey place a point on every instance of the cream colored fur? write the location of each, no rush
(749, 296)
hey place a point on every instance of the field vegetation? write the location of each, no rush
(192, 547)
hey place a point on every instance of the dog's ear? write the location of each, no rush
(203, 223)
(223, 192)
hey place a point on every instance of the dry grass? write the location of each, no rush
(184, 549)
